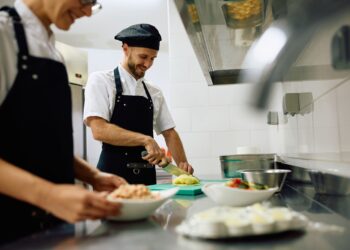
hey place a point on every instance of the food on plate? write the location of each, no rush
(239, 183)
(257, 219)
(283, 217)
(133, 191)
(262, 222)
(185, 180)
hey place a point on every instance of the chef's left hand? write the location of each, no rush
(107, 182)
(186, 166)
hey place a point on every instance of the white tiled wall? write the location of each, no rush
(324, 134)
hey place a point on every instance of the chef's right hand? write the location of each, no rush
(155, 155)
(73, 203)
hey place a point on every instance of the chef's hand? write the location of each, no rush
(186, 166)
(73, 203)
(155, 155)
(107, 182)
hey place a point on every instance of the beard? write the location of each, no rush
(133, 69)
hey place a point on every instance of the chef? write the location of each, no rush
(37, 166)
(122, 109)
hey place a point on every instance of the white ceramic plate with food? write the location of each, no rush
(137, 209)
(224, 195)
(229, 222)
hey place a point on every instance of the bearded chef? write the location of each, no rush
(122, 109)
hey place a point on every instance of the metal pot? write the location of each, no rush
(298, 174)
(230, 164)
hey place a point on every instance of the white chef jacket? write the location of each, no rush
(100, 95)
(40, 44)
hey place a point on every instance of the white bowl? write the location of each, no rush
(224, 195)
(133, 209)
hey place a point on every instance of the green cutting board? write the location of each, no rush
(183, 190)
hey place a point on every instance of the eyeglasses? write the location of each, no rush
(96, 7)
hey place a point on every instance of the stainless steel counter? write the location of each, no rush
(157, 232)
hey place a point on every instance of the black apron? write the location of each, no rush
(36, 133)
(133, 113)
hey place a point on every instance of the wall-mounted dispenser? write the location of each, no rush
(297, 103)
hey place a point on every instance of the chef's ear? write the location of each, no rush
(126, 49)
(124, 46)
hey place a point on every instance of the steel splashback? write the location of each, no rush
(221, 41)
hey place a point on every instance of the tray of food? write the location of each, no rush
(229, 222)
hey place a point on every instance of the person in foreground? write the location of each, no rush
(122, 109)
(37, 165)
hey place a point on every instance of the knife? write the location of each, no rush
(170, 168)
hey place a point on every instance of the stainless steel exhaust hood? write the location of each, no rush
(222, 32)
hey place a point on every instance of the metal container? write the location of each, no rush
(270, 177)
(327, 183)
(298, 174)
(230, 164)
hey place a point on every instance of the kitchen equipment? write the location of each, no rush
(222, 222)
(76, 62)
(267, 38)
(174, 170)
(190, 190)
(224, 195)
(183, 190)
(298, 174)
(170, 168)
(230, 164)
(269, 177)
(136, 209)
(220, 28)
(328, 183)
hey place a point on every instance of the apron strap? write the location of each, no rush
(147, 93)
(19, 32)
(118, 83)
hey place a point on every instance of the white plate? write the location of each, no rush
(133, 209)
(227, 222)
(223, 195)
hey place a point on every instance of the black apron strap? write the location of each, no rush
(147, 93)
(119, 87)
(118, 82)
(19, 31)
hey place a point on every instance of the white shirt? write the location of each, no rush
(100, 95)
(40, 44)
